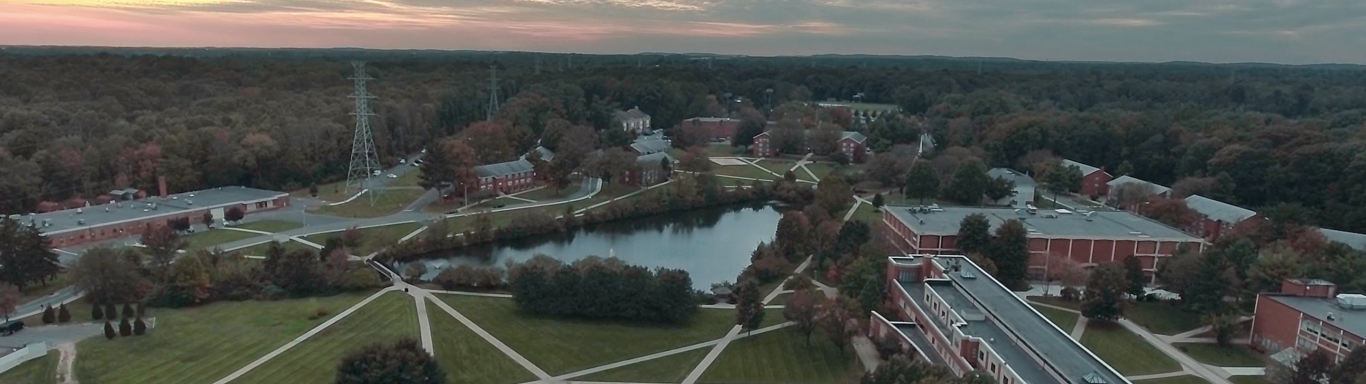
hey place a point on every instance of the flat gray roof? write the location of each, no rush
(1009, 318)
(1353, 321)
(913, 332)
(132, 210)
(1106, 225)
(1355, 240)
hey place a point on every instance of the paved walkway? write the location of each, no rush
(1080, 328)
(66, 363)
(516, 357)
(424, 325)
(613, 200)
(711, 356)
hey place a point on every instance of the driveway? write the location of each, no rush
(53, 334)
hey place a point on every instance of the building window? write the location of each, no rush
(1306, 344)
(981, 356)
(993, 367)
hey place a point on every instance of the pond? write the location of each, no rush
(712, 244)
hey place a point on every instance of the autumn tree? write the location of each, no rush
(921, 181)
(492, 142)
(801, 310)
(234, 214)
(695, 160)
(752, 123)
(1129, 195)
(1350, 369)
(1133, 274)
(107, 276)
(1170, 211)
(1063, 270)
(749, 306)
(974, 234)
(837, 320)
(1312, 369)
(188, 283)
(1104, 297)
(834, 194)
(1009, 251)
(404, 361)
(610, 163)
(792, 237)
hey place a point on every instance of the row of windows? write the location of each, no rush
(1330, 336)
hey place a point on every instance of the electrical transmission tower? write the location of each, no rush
(364, 159)
(493, 92)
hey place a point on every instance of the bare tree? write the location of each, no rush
(1128, 195)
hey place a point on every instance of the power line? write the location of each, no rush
(493, 92)
(364, 158)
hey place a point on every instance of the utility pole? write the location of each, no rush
(364, 158)
(493, 92)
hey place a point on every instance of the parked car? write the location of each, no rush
(402, 161)
(392, 176)
(11, 327)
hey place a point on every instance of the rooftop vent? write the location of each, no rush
(80, 221)
(967, 275)
(1135, 233)
(1352, 301)
(78, 211)
(1093, 378)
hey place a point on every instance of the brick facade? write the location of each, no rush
(135, 227)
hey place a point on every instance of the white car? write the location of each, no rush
(414, 163)
(401, 161)
(392, 176)
(375, 173)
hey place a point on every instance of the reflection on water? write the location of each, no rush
(712, 244)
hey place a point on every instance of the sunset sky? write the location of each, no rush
(1278, 31)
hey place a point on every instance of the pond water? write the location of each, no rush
(712, 244)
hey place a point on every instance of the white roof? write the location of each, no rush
(1085, 169)
(1157, 189)
(1355, 240)
(1218, 210)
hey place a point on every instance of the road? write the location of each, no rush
(61, 296)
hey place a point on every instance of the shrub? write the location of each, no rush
(1070, 294)
(128, 311)
(798, 282)
(125, 328)
(139, 327)
(316, 311)
(273, 292)
(109, 331)
(96, 313)
(360, 279)
(63, 315)
(49, 315)
(110, 312)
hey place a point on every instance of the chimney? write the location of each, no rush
(161, 186)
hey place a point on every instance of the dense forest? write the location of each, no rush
(74, 122)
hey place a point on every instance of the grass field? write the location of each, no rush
(561, 346)
(1188, 379)
(1065, 320)
(725, 150)
(212, 237)
(783, 357)
(387, 202)
(34, 291)
(821, 169)
(1125, 351)
(548, 193)
(866, 213)
(272, 226)
(330, 192)
(42, 370)
(387, 234)
(466, 357)
(408, 179)
(744, 171)
(1213, 354)
(1162, 318)
(781, 166)
(386, 319)
(1248, 379)
(201, 344)
(668, 369)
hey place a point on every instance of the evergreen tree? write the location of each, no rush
(110, 312)
(974, 234)
(139, 327)
(749, 306)
(128, 311)
(921, 181)
(125, 328)
(1133, 272)
(63, 315)
(1009, 251)
(404, 362)
(109, 331)
(96, 313)
(26, 255)
(793, 235)
(1104, 297)
(1125, 169)
(970, 183)
(878, 201)
(49, 315)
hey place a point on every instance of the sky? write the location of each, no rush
(1273, 31)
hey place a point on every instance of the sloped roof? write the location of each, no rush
(632, 114)
(503, 169)
(853, 135)
(645, 147)
(1355, 240)
(1218, 210)
(1085, 169)
(1157, 189)
(654, 158)
(546, 154)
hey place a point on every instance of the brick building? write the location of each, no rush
(949, 312)
(1089, 238)
(718, 128)
(1094, 181)
(1216, 216)
(649, 170)
(1308, 315)
(512, 176)
(851, 143)
(129, 214)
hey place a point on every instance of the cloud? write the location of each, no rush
(1288, 31)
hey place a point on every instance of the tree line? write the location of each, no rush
(599, 288)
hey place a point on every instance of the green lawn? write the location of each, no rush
(1188, 379)
(386, 319)
(1213, 354)
(746, 170)
(260, 249)
(34, 291)
(466, 357)
(1055, 301)
(386, 235)
(779, 300)
(668, 369)
(725, 150)
(387, 202)
(1065, 320)
(212, 237)
(561, 345)
(783, 357)
(1125, 351)
(772, 316)
(820, 169)
(1248, 379)
(408, 179)
(42, 370)
(781, 166)
(272, 226)
(330, 192)
(866, 213)
(201, 344)
(1162, 318)
(549, 193)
